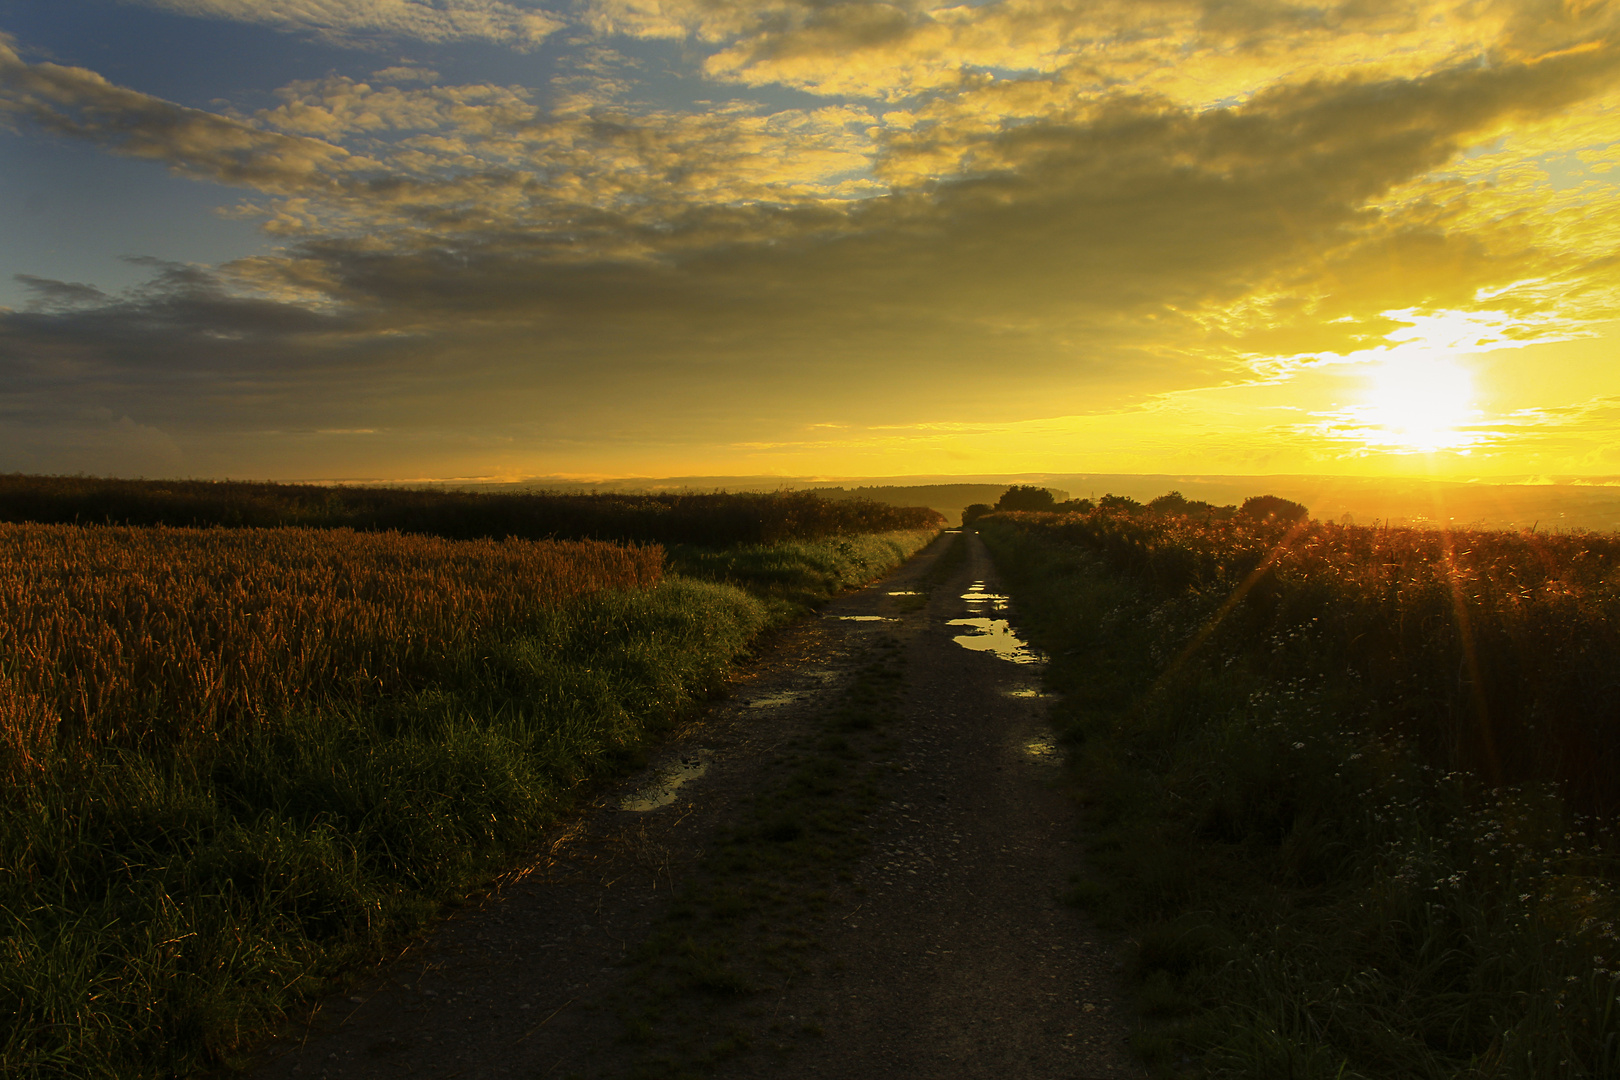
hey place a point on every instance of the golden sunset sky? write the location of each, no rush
(496, 238)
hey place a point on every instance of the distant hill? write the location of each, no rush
(948, 499)
(1561, 503)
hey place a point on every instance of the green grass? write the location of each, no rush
(1307, 897)
(746, 920)
(163, 911)
(798, 576)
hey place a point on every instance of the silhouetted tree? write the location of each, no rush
(1170, 504)
(975, 512)
(1271, 508)
(1119, 504)
(1025, 497)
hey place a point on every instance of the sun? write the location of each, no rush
(1418, 404)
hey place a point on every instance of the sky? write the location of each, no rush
(499, 239)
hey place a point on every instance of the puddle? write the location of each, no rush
(1042, 750)
(995, 636)
(1026, 692)
(776, 700)
(977, 595)
(905, 592)
(860, 618)
(662, 788)
(992, 635)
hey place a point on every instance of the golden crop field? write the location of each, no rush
(136, 635)
(1494, 650)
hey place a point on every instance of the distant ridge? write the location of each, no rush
(1557, 502)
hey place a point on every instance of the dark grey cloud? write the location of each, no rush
(48, 293)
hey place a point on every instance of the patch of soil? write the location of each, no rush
(945, 951)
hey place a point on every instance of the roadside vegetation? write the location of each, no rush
(1350, 790)
(239, 761)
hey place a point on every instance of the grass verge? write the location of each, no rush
(798, 576)
(163, 909)
(1307, 897)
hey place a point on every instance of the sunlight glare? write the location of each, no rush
(1419, 404)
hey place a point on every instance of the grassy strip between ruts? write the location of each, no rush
(793, 578)
(745, 921)
(164, 909)
(1307, 897)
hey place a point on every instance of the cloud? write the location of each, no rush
(362, 22)
(77, 102)
(406, 73)
(99, 443)
(1058, 209)
(1196, 51)
(1134, 249)
(50, 294)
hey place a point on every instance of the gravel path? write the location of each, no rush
(949, 953)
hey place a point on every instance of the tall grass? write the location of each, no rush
(715, 519)
(1496, 652)
(796, 576)
(129, 635)
(1284, 738)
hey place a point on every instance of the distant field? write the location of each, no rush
(709, 519)
(237, 760)
(1354, 790)
(1556, 505)
(948, 499)
(1549, 504)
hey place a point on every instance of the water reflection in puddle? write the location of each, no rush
(771, 701)
(904, 592)
(977, 595)
(860, 618)
(1024, 692)
(995, 636)
(988, 634)
(663, 786)
(1042, 750)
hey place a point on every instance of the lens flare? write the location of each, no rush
(1419, 404)
(1411, 403)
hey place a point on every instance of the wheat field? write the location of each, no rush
(142, 635)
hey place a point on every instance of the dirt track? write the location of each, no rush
(947, 954)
